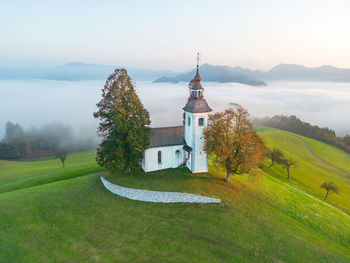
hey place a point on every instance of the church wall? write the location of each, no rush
(194, 138)
(169, 158)
(189, 128)
(200, 160)
(189, 137)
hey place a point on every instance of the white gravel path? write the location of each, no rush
(156, 196)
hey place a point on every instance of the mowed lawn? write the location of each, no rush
(310, 172)
(70, 217)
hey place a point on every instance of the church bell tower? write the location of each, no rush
(196, 119)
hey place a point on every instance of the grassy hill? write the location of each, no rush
(51, 214)
(311, 172)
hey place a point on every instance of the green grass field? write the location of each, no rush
(331, 154)
(310, 172)
(54, 214)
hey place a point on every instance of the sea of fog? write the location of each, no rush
(37, 102)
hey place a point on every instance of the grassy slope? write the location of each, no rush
(262, 218)
(330, 153)
(310, 172)
(17, 175)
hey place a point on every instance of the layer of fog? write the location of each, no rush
(326, 104)
(38, 102)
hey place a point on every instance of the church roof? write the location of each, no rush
(195, 85)
(197, 106)
(167, 136)
(197, 77)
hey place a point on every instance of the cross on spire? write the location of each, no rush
(197, 77)
(197, 59)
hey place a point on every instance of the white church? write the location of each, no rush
(172, 147)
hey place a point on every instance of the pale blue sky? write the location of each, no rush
(167, 34)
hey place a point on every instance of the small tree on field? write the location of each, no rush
(232, 142)
(330, 188)
(275, 155)
(62, 155)
(287, 163)
(124, 124)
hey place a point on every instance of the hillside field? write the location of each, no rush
(311, 172)
(54, 214)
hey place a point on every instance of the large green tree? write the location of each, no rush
(232, 142)
(124, 124)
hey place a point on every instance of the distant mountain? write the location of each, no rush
(82, 71)
(219, 74)
(78, 71)
(298, 72)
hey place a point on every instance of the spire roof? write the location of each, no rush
(195, 84)
(196, 102)
(197, 77)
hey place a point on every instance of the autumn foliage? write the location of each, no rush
(232, 142)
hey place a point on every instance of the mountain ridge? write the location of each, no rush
(219, 74)
(214, 73)
(282, 71)
(76, 70)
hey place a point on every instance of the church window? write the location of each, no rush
(201, 122)
(159, 157)
(193, 94)
(188, 121)
(199, 94)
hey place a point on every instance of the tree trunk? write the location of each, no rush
(288, 173)
(227, 177)
(271, 164)
(128, 170)
(327, 194)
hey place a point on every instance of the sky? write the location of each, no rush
(167, 34)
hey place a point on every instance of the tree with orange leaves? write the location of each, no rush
(232, 142)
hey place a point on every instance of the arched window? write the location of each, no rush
(201, 122)
(159, 157)
(188, 121)
(199, 94)
(178, 157)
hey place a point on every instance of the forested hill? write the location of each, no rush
(295, 125)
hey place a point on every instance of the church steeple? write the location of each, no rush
(196, 101)
(195, 86)
(196, 119)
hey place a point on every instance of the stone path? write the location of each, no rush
(155, 196)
